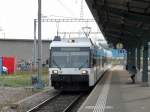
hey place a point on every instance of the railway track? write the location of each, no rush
(62, 102)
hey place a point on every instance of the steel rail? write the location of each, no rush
(42, 103)
(72, 103)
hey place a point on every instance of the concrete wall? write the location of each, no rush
(22, 49)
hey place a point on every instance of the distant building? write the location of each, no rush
(22, 49)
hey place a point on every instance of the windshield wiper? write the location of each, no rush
(56, 64)
(81, 66)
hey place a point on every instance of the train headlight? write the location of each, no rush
(55, 71)
(84, 72)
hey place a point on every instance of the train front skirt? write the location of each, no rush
(70, 82)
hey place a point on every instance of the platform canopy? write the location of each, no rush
(122, 21)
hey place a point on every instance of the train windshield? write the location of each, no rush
(70, 59)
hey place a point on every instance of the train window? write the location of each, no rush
(70, 59)
(80, 59)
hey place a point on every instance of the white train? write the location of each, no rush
(74, 64)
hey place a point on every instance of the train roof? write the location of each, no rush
(72, 42)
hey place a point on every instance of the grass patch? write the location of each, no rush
(21, 79)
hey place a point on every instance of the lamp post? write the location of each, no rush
(39, 39)
(34, 46)
(39, 83)
(35, 43)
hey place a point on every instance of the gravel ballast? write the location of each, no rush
(21, 100)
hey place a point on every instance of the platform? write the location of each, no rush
(116, 93)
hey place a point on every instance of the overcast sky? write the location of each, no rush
(16, 17)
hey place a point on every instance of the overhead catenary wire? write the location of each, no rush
(64, 17)
(66, 8)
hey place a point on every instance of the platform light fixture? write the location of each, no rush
(119, 45)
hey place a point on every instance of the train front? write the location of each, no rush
(69, 65)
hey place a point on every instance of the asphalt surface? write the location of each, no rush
(116, 93)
